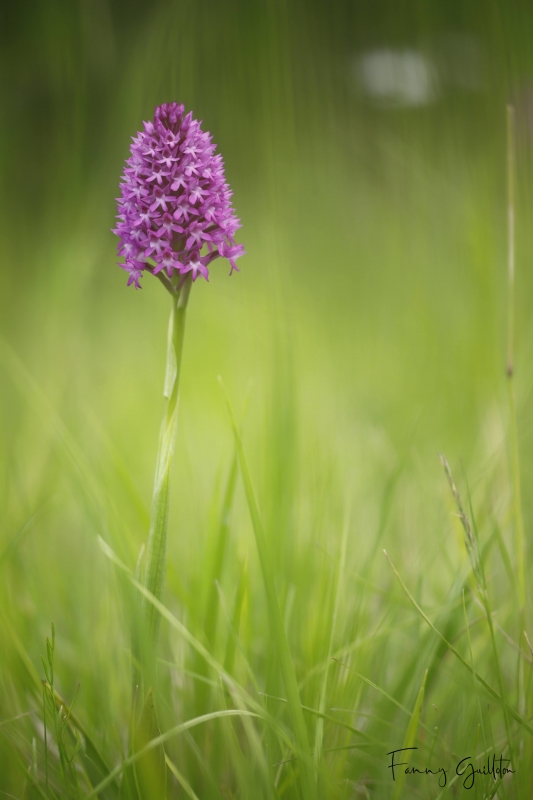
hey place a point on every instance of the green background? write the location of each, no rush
(367, 328)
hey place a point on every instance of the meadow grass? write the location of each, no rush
(365, 334)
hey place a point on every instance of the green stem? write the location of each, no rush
(156, 551)
(515, 458)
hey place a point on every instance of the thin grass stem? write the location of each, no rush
(45, 741)
(514, 714)
(308, 782)
(467, 629)
(160, 740)
(236, 689)
(472, 545)
(182, 780)
(319, 730)
(515, 456)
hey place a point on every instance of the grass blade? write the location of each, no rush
(471, 541)
(309, 788)
(319, 731)
(410, 735)
(514, 714)
(237, 690)
(183, 782)
(160, 740)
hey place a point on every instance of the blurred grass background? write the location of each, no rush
(366, 146)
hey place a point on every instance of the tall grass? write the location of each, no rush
(366, 331)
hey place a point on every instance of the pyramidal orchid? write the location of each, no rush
(175, 217)
(175, 214)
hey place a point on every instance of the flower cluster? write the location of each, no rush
(175, 206)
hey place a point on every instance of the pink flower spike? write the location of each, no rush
(174, 199)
